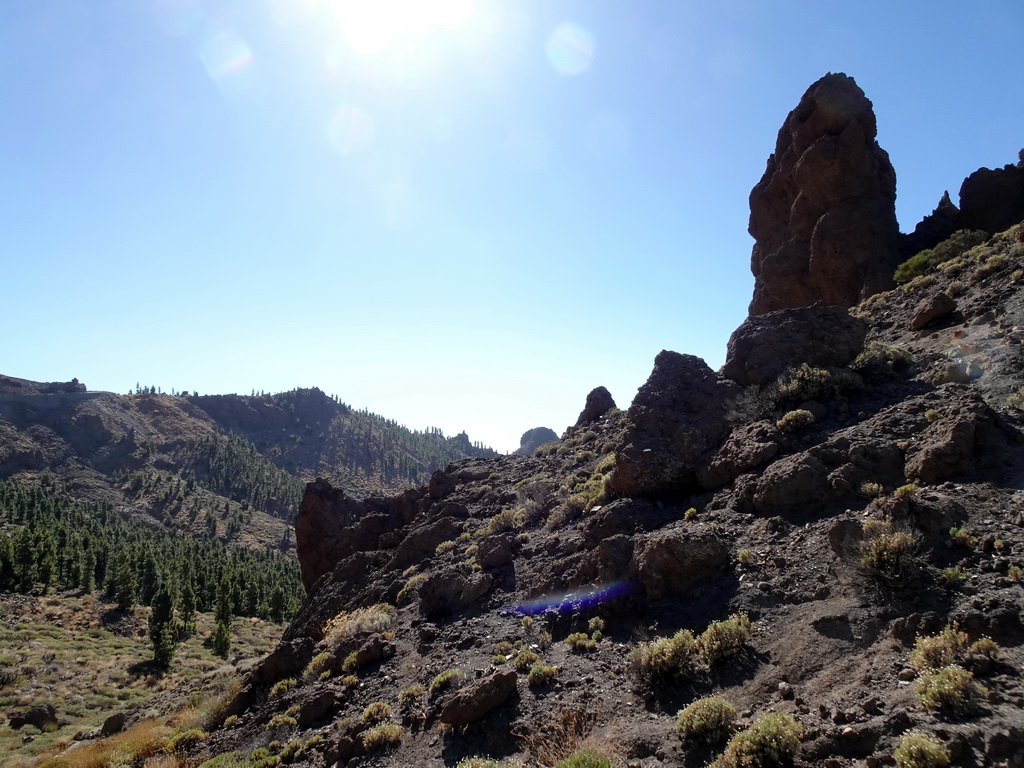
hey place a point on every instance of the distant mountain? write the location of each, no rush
(212, 461)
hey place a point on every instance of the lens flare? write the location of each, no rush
(574, 600)
(225, 54)
(351, 129)
(571, 49)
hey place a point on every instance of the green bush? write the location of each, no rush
(580, 641)
(925, 261)
(723, 639)
(380, 736)
(771, 741)
(709, 720)
(524, 660)
(937, 651)
(921, 750)
(794, 421)
(887, 556)
(445, 680)
(951, 689)
(541, 674)
(411, 698)
(809, 383)
(879, 363)
(585, 758)
(665, 658)
(376, 712)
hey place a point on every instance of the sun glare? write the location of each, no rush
(374, 27)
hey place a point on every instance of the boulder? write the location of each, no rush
(795, 481)
(480, 699)
(42, 717)
(422, 541)
(113, 724)
(287, 660)
(599, 402)
(670, 562)
(678, 415)
(748, 447)
(955, 443)
(495, 551)
(930, 310)
(823, 216)
(314, 708)
(533, 439)
(764, 346)
(450, 591)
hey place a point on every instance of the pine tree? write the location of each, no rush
(187, 608)
(161, 627)
(221, 640)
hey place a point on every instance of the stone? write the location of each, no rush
(677, 416)
(495, 551)
(749, 446)
(954, 443)
(450, 591)
(795, 481)
(670, 562)
(533, 439)
(823, 216)
(765, 346)
(42, 717)
(113, 724)
(287, 660)
(934, 308)
(599, 402)
(479, 699)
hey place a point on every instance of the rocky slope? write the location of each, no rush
(850, 484)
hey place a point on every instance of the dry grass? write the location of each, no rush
(376, 618)
(568, 732)
(143, 740)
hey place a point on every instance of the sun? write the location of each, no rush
(375, 26)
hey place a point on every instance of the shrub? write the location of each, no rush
(380, 736)
(316, 666)
(486, 762)
(585, 758)
(925, 261)
(665, 658)
(376, 712)
(921, 750)
(524, 660)
(580, 641)
(908, 492)
(872, 490)
(376, 618)
(282, 687)
(772, 740)
(962, 537)
(794, 421)
(809, 383)
(951, 688)
(724, 638)
(887, 556)
(709, 720)
(1014, 573)
(1016, 400)
(540, 674)
(410, 586)
(282, 721)
(952, 576)
(411, 698)
(939, 650)
(185, 740)
(744, 557)
(506, 520)
(445, 680)
(445, 546)
(595, 624)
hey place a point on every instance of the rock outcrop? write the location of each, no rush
(823, 215)
(933, 228)
(764, 346)
(599, 402)
(992, 200)
(533, 439)
(678, 415)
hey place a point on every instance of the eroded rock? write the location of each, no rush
(479, 699)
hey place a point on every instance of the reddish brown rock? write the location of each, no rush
(748, 447)
(931, 309)
(670, 562)
(764, 346)
(677, 416)
(823, 215)
(480, 699)
(960, 437)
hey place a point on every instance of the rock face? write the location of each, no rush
(764, 346)
(533, 439)
(993, 200)
(678, 415)
(823, 215)
(933, 228)
(599, 402)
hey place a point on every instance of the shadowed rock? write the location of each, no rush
(823, 215)
(533, 439)
(599, 402)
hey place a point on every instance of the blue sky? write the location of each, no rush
(461, 213)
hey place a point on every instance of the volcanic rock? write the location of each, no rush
(42, 716)
(823, 215)
(933, 228)
(599, 402)
(993, 200)
(677, 416)
(476, 701)
(533, 439)
(931, 309)
(764, 346)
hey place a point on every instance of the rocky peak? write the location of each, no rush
(933, 228)
(823, 215)
(992, 200)
(533, 439)
(599, 402)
